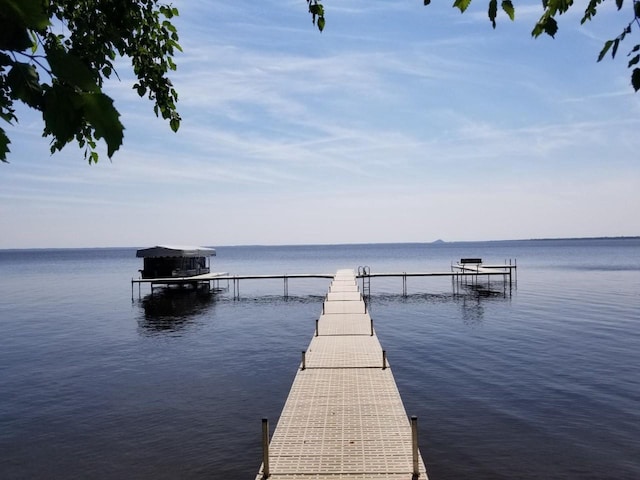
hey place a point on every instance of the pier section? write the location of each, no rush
(344, 418)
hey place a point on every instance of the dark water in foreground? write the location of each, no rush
(542, 383)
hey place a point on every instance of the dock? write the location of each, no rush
(344, 418)
(206, 279)
(464, 272)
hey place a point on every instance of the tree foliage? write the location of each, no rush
(548, 23)
(317, 13)
(56, 54)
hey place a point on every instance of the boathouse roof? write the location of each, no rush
(175, 251)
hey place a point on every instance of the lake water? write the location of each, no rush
(542, 381)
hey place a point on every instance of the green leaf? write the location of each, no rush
(427, 2)
(493, 11)
(166, 11)
(634, 61)
(24, 83)
(605, 49)
(614, 50)
(34, 42)
(70, 69)
(321, 23)
(550, 27)
(141, 89)
(8, 116)
(4, 146)
(635, 79)
(100, 113)
(461, 4)
(619, 4)
(507, 7)
(557, 6)
(538, 29)
(61, 115)
(31, 14)
(316, 9)
(13, 36)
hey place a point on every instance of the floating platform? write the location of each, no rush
(206, 279)
(344, 418)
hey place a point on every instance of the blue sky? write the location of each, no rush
(398, 123)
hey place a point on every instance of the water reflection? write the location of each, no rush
(473, 298)
(472, 310)
(172, 309)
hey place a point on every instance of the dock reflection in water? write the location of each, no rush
(172, 309)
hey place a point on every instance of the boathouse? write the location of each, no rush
(172, 261)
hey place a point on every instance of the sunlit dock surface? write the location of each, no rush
(344, 418)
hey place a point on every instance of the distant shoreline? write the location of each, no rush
(433, 243)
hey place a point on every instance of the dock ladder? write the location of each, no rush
(364, 273)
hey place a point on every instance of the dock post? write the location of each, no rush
(317, 327)
(414, 443)
(265, 448)
(384, 359)
(372, 327)
(304, 360)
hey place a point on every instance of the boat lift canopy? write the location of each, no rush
(160, 251)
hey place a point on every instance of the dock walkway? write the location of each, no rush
(344, 418)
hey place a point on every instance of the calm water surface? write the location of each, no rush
(539, 382)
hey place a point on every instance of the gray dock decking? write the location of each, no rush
(344, 418)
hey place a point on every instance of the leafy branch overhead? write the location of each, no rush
(549, 25)
(56, 54)
(317, 13)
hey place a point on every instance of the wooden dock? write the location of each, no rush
(344, 418)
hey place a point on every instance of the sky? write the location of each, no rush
(398, 123)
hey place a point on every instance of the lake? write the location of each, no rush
(538, 381)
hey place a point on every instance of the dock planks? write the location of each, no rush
(344, 418)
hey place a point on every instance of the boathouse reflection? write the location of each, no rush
(172, 309)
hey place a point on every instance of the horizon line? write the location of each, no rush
(435, 242)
